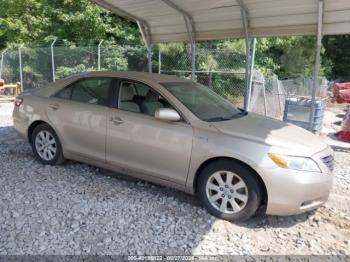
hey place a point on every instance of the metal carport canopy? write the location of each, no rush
(198, 20)
(219, 19)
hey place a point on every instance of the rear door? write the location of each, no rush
(79, 115)
(137, 141)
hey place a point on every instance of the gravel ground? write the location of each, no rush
(79, 209)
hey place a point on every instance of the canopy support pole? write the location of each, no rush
(251, 67)
(159, 61)
(190, 27)
(146, 36)
(190, 31)
(317, 61)
(249, 55)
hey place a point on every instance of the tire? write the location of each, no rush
(245, 197)
(45, 137)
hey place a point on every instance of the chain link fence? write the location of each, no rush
(37, 67)
(269, 94)
(220, 69)
(119, 58)
(10, 66)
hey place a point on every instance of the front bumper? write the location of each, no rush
(293, 192)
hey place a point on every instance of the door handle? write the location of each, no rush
(116, 120)
(54, 106)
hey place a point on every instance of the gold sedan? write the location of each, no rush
(180, 134)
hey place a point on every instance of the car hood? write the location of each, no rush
(287, 138)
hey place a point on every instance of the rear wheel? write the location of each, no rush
(46, 145)
(229, 190)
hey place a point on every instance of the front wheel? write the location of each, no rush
(229, 190)
(46, 145)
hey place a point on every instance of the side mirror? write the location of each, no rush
(167, 114)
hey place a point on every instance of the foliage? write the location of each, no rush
(64, 71)
(336, 57)
(288, 57)
(21, 22)
(75, 23)
(33, 23)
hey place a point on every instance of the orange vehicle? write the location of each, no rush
(11, 90)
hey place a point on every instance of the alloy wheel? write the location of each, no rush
(46, 145)
(227, 192)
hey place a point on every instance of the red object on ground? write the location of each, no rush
(341, 92)
(344, 134)
(2, 83)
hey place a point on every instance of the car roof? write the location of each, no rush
(159, 78)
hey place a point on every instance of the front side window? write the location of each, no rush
(91, 91)
(140, 98)
(203, 102)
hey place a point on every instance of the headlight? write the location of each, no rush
(295, 162)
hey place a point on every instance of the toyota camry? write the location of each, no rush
(180, 134)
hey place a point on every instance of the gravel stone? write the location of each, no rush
(78, 209)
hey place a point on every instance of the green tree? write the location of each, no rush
(336, 58)
(73, 22)
(288, 57)
(21, 22)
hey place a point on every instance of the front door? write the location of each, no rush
(136, 140)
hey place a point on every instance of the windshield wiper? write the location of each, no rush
(218, 118)
(243, 111)
(228, 117)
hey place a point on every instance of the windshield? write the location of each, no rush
(202, 101)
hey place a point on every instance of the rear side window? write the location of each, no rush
(91, 91)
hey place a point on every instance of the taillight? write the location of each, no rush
(18, 101)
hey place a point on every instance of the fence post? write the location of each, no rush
(149, 58)
(2, 62)
(264, 94)
(210, 84)
(20, 68)
(99, 56)
(147, 39)
(193, 60)
(159, 61)
(53, 61)
(279, 94)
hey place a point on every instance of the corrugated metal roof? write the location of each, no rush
(218, 19)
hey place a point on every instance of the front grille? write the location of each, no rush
(329, 162)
